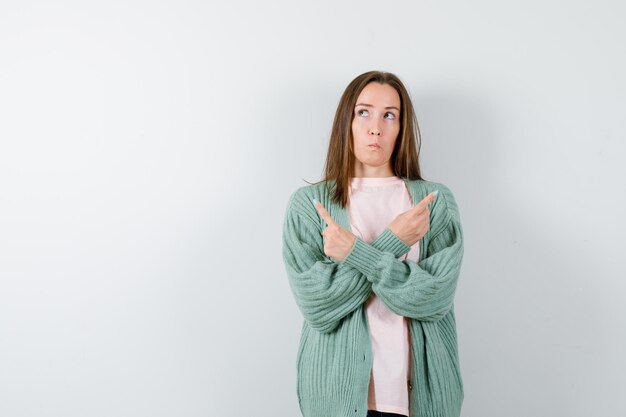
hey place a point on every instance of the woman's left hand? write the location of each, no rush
(339, 241)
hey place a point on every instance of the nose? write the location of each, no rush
(375, 129)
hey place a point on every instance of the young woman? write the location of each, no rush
(373, 254)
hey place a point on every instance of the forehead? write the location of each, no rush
(377, 94)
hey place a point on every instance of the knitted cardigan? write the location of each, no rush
(334, 359)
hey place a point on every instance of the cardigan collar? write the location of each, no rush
(416, 189)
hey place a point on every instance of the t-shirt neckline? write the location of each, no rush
(369, 181)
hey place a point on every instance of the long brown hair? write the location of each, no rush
(340, 157)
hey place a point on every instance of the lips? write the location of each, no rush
(374, 145)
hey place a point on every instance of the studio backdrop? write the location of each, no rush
(148, 150)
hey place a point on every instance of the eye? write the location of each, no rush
(391, 115)
(360, 111)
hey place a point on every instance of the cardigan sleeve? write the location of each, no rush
(325, 291)
(425, 290)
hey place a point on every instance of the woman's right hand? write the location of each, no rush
(413, 224)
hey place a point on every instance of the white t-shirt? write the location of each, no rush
(372, 206)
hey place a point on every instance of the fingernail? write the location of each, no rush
(435, 193)
(314, 201)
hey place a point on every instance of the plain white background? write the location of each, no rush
(148, 149)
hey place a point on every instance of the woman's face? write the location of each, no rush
(375, 128)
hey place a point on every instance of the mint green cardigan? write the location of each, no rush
(334, 359)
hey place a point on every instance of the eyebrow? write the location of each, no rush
(369, 105)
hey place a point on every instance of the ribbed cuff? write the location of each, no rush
(388, 241)
(364, 258)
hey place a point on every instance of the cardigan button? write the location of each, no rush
(410, 386)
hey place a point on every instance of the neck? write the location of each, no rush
(366, 171)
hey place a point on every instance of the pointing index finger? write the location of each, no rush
(323, 212)
(419, 207)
